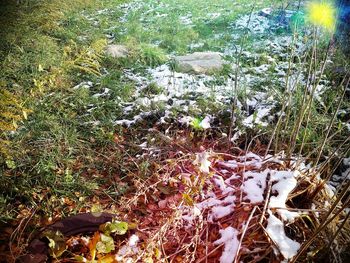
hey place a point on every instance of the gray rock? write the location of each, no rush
(117, 51)
(200, 62)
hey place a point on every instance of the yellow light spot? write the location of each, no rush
(322, 14)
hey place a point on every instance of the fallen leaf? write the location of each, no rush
(118, 227)
(57, 243)
(92, 244)
(107, 259)
(105, 245)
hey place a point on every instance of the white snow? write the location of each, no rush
(230, 241)
(143, 145)
(229, 164)
(275, 229)
(133, 240)
(223, 185)
(127, 251)
(105, 92)
(286, 182)
(221, 211)
(255, 23)
(208, 203)
(186, 120)
(337, 179)
(254, 186)
(205, 123)
(257, 117)
(84, 85)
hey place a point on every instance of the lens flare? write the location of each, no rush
(322, 14)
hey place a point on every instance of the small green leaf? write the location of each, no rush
(118, 227)
(10, 164)
(196, 124)
(106, 244)
(52, 243)
(57, 242)
(187, 199)
(96, 208)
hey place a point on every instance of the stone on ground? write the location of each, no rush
(117, 51)
(200, 62)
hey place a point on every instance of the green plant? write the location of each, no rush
(87, 59)
(152, 55)
(11, 112)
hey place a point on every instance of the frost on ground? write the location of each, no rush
(262, 75)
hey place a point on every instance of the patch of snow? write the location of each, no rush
(186, 20)
(256, 23)
(143, 145)
(236, 136)
(205, 123)
(208, 203)
(336, 179)
(133, 240)
(84, 85)
(229, 164)
(254, 186)
(223, 185)
(275, 230)
(186, 120)
(127, 251)
(286, 182)
(104, 93)
(221, 211)
(230, 241)
(213, 15)
(257, 117)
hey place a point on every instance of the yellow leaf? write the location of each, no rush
(107, 259)
(15, 126)
(25, 115)
(157, 253)
(92, 245)
(188, 200)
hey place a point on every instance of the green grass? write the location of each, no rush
(43, 57)
(165, 24)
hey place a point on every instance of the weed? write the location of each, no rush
(152, 89)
